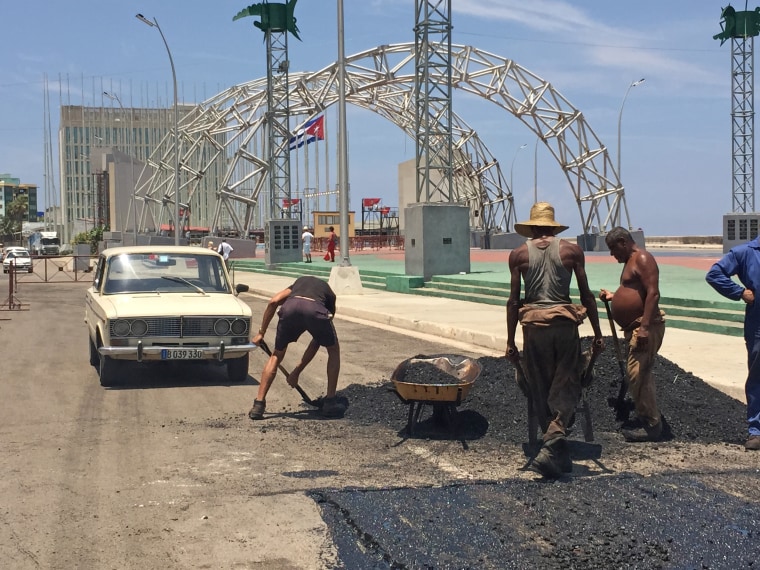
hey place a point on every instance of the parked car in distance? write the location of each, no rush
(12, 248)
(17, 259)
(166, 303)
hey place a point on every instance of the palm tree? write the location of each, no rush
(16, 212)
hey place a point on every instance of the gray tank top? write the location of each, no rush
(547, 281)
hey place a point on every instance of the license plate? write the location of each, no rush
(181, 354)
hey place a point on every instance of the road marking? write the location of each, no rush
(442, 464)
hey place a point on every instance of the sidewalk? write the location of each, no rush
(717, 359)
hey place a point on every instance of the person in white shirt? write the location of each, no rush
(306, 238)
(224, 250)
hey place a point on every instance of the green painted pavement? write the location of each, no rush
(687, 300)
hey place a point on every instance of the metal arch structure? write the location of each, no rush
(225, 128)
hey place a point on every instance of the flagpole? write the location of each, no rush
(316, 167)
(327, 172)
(298, 166)
(306, 163)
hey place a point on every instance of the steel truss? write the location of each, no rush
(224, 130)
(434, 148)
(742, 124)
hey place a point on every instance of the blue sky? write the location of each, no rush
(676, 127)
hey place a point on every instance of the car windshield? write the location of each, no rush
(165, 272)
(17, 253)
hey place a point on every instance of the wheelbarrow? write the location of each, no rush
(444, 397)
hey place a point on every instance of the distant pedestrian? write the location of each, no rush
(743, 261)
(224, 250)
(332, 241)
(307, 305)
(306, 238)
(211, 245)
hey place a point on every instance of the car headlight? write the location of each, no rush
(120, 327)
(239, 326)
(139, 327)
(222, 327)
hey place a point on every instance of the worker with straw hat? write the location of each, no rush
(551, 360)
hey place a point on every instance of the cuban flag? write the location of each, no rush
(312, 131)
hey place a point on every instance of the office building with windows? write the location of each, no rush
(12, 188)
(103, 153)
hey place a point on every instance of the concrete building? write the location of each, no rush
(11, 188)
(103, 152)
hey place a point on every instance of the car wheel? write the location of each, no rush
(94, 355)
(237, 369)
(108, 367)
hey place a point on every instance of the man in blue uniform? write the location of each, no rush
(744, 262)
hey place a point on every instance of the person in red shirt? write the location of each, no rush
(332, 241)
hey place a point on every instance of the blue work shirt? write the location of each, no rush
(744, 262)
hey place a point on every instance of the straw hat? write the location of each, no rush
(541, 215)
(306, 228)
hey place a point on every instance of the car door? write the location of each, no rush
(91, 297)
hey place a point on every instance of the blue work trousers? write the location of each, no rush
(752, 387)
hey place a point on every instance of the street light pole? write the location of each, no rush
(154, 24)
(535, 171)
(114, 97)
(512, 168)
(620, 119)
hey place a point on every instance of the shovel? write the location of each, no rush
(316, 403)
(618, 404)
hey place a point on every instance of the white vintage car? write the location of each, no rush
(163, 303)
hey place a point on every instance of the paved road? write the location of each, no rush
(167, 471)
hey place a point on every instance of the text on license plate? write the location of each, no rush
(181, 354)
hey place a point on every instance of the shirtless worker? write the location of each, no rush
(551, 356)
(635, 308)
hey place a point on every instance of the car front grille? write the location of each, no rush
(181, 327)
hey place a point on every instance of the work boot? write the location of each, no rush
(257, 411)
(752, 443)
(332, 408)
(644, 432)
(554, 458)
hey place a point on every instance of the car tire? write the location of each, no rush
(237, 369)
(107, 370)
(94, 355)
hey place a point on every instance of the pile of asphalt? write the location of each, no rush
(623, 521)
(496, 409)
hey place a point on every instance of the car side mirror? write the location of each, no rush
(241, 288)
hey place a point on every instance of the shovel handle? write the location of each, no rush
(265, 347)
(620, 402)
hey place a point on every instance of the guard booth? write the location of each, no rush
(282, 241)
(739, 228)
